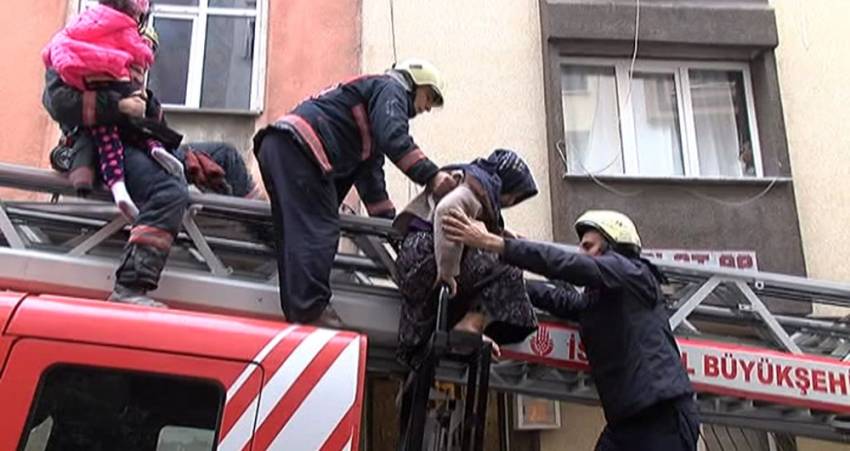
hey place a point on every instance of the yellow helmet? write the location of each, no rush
(423, 73)
(149, 33)
(615, 226)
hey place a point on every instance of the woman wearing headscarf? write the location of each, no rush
(488, 296)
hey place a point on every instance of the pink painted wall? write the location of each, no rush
(312, 44)
(26, 131)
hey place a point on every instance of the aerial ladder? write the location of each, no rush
(751, 366)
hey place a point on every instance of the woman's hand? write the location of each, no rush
(460, 229)
(450, 282)
(441, 183)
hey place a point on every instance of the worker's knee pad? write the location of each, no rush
(140, 267)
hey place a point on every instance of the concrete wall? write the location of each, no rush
(312, 44)
(490, 53)
(813, 69)
(695, 215)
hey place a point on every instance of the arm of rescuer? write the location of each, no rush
(547, 259)
(554, 262)
(74, 108)
(372, 188)
(556, 297)
(388, 116)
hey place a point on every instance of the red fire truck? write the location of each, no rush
(80, 374)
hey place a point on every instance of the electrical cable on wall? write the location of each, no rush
(804, 23)
(735, 204)
(592, 176)
(634, 56)
(410, 186)
(697, 194)
(392, 30)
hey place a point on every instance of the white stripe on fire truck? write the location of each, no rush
(243, 400)
(288, 373)
(274, 390)
(241, 432)
(327, 404)
(258, 359)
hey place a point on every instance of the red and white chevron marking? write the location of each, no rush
(311, 396)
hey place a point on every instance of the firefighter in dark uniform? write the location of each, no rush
(634, 359)
(310, 158)
(162, 197)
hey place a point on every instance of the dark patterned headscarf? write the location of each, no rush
(513, 171)
(503, 172)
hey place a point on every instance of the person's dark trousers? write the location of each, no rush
(668, 426)
(306, 222)
(162, 200)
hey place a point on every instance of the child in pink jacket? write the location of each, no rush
(104, 47)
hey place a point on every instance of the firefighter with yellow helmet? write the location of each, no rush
(339, 138)
(645, 392)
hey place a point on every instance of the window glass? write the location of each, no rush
(656, 116)
(720, 119)
(82, 408)
(589, 96)
(170, 73)
(228, 63)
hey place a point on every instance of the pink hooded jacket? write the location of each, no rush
(101, 42)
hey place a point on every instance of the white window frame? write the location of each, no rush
(680, 71)
(198, 15)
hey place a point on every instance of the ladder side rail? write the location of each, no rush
(834, 293)
(780, 285)
(8, 230)
(724, 314)
(359, 263)
(774, 284)
(215, 265)
(43, 180)
(362, 264)
(713, 408)
(192, 233)
(47, 181)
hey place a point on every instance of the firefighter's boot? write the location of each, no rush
(138, 274)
